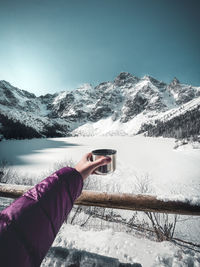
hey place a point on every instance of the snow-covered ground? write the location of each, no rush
(166, 171)
(115, 246)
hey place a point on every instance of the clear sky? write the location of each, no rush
(52, 45)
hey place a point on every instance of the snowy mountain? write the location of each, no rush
(126, 106)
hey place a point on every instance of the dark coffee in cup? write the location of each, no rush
(110, 167)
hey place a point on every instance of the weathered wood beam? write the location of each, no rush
(145, 203)
(12, 190)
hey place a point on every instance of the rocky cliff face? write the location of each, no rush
(121, 106)
(182, 93)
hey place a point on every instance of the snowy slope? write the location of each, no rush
(180, 122)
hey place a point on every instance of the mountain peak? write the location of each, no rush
(125, 77)
(175, 81)
(5, 83)
(150, 78)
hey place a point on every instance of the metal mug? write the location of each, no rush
(110, 167)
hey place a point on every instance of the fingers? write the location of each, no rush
(100, 162)
(86, 167)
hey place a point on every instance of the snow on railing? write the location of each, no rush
(147, 203)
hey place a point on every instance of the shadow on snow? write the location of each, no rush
(15, 151)
(78, 258)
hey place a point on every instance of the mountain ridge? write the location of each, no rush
(122, 106)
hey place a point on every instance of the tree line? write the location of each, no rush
(183, 126)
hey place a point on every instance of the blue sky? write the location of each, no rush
(52, 45)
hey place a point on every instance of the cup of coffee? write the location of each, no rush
(110, 167)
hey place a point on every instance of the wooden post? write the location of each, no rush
(116, 201)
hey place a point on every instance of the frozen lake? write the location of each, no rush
(179, 170)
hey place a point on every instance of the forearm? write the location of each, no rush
(35, 218)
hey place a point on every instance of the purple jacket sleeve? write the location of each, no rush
(29, 225)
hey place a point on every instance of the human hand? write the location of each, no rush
(86, 167)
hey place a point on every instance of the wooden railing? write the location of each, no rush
(117, 201)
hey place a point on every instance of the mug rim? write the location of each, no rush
(103, 152)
